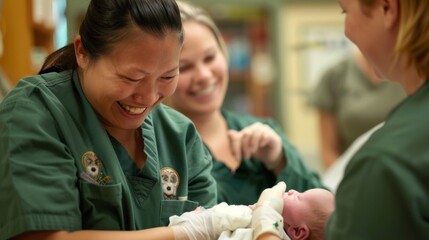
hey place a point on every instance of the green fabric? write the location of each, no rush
(4, 85)
(251, 178)
(47, 129)
(357, 103)
(385, 190)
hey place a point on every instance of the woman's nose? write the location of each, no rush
(203, 72)
(146, 92)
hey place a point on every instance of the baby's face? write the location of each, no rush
(297, 206)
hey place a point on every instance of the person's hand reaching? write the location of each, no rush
(210, 223)
(267, 211)
(258, 140)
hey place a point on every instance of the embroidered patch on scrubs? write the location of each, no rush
(93, 167)
(170, 182)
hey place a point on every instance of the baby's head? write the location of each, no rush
(305, 214)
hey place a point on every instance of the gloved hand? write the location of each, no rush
(210, 223)
(267, 216)
(260, 141)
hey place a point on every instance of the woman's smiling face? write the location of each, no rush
(203, 72)
(373, 31)
(125, 85)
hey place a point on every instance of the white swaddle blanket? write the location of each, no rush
(232, 221)
(228, 217)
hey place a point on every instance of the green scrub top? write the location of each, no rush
(252, 177)
(385, 190)
(60, 170)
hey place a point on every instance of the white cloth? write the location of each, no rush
(231, 217)
(242, 234)
(210, 223)
(232, 221)
(333, 175)
(238, 234)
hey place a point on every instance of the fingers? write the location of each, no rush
(262, 142)
(235, 142)
(279, 188)
(258, 140)
(252, 138)
(273, 197)
(276, 190)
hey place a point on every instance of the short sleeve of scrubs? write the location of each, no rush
(38, 176)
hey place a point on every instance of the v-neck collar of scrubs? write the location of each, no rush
(141, 181)
(127, 163)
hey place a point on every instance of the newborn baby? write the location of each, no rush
(304, 217)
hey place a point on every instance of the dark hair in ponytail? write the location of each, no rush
(108, 22)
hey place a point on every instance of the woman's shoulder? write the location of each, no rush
(239, 119)
(35, 86)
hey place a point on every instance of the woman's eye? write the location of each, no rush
(131, 79)
(169, 77)
(184, 68)
(210, 58)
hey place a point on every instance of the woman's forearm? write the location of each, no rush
(165, 233)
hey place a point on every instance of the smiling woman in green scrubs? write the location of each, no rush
(251, 154)
(87, 145)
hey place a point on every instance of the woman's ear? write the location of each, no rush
(390, 12)
(298, 232)
(79, 50)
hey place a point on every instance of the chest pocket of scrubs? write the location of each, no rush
(175, 207)
(101, 206)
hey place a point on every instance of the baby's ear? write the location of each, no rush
(298, 232)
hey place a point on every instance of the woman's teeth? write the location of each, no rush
(206, 91)
(132, 110)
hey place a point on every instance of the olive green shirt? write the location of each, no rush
(357, 103)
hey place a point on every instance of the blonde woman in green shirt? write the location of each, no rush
(250, 153)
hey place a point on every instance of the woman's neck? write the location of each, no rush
(132, 141)
(213, 129)
(209, 124)
(366, 68)
(406, 74)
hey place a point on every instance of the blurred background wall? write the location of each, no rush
(278, 50)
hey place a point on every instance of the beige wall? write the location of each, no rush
(299, 22)
(17, 37)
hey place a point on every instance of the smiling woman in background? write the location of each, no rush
(250, 153)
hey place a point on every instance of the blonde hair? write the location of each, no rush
(189, 12)
(413, 36)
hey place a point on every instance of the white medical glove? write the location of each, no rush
(267, 216)
(210, 223)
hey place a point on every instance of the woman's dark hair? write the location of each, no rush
(107, 22)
